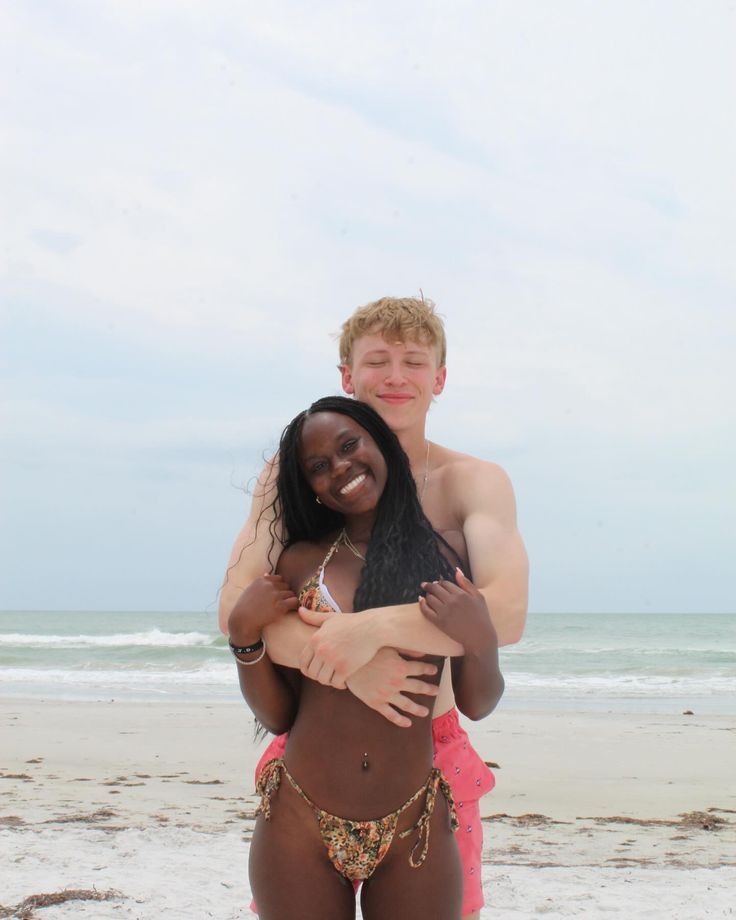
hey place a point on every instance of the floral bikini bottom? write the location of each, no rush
(356, 848)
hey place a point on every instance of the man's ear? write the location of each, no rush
(346, 373)
(439, 381)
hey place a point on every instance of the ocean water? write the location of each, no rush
(617, 662)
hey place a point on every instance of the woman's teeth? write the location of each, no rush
(353, 484)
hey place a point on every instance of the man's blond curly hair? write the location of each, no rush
(397, 319)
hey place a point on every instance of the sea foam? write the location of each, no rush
(153, 638)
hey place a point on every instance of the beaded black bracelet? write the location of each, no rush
(245, 649)
(247, 664)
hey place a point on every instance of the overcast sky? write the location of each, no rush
(195, 195)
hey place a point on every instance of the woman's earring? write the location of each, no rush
(316, 498)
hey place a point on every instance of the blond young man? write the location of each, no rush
(392, 356)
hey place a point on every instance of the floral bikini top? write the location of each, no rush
(314, 594)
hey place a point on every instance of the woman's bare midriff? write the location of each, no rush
(335, 734)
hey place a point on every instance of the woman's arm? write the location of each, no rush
(271, 692)
(460, 611)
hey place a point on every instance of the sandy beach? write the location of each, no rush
(147, 809)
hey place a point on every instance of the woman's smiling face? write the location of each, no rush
(342, 463)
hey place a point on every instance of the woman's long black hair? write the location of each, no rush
(403, 550)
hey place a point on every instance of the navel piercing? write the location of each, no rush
(365, 761)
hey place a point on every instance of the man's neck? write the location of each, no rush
(414, 442)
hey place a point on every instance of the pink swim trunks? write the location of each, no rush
(469, 779)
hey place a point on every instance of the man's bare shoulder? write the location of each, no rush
(465, 485)
(461, 472)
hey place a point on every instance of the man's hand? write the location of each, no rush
(383, 682)
(340, 647)
(265, 600)
(460, 611)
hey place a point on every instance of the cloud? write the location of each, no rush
(201, 193)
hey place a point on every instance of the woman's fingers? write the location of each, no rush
(436, 589)
(288, 601)
(426, 610)
(465, 583)
(437, 602)
(452, 589)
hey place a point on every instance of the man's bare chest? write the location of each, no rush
(437, 505)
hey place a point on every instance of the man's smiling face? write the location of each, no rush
(398, 379)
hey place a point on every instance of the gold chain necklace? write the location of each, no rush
(344, 538)
(426, 474)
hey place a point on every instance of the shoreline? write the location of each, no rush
(562, 764)
(117, 796)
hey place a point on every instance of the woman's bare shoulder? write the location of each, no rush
(300, 560)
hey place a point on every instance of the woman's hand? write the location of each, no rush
(460, 611)
(265, 600)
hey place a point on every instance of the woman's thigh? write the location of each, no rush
(290, 874)
(434, 889)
